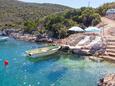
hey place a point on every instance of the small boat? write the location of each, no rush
(42, 51)
(3, 38)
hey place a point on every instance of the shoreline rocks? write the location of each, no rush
(108, 80)
(24, 37)
(19, 35)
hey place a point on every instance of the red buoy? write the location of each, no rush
(6, 62)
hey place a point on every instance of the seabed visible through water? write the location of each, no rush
(59, 70)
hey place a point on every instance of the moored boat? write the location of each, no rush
(42, 51)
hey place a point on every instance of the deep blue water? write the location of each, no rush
(60, 70)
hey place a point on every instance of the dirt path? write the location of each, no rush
(108, 21)
(108, 27)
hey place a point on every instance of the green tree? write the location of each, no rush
(57, 25)
(30, 26)
(88, 16)
(102, 9)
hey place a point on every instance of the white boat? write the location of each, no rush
(3, 38)
(42, 51)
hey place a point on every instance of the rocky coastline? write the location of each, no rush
(19, 35)
(71, 40)
(108, 80)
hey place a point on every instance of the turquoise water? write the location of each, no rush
(60, 70)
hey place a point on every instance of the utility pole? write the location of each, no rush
(88, 3)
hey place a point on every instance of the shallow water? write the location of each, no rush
(60, 70)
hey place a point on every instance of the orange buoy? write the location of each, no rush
(6, 62)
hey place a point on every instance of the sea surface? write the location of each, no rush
(61, 69)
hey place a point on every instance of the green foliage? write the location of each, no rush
(57, 25)
(30, 26)
(102, 9)
(86, 16)
(52, 19)
(14, 12)
(90, 17)
(72, 13)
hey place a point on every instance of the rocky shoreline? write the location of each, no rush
(108, 80)
(25, 37)
(19, 35)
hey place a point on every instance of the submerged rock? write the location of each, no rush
(108, 80)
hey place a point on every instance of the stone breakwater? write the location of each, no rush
(108, 80)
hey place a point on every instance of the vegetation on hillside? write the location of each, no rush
(50, 19)
(57, 25)
(102, 9)
(14, 13)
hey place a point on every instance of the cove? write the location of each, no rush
(60, 70)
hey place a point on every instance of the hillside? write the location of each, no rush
(13, 13)
(102, 9)
(111, 5)
(57, 25)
